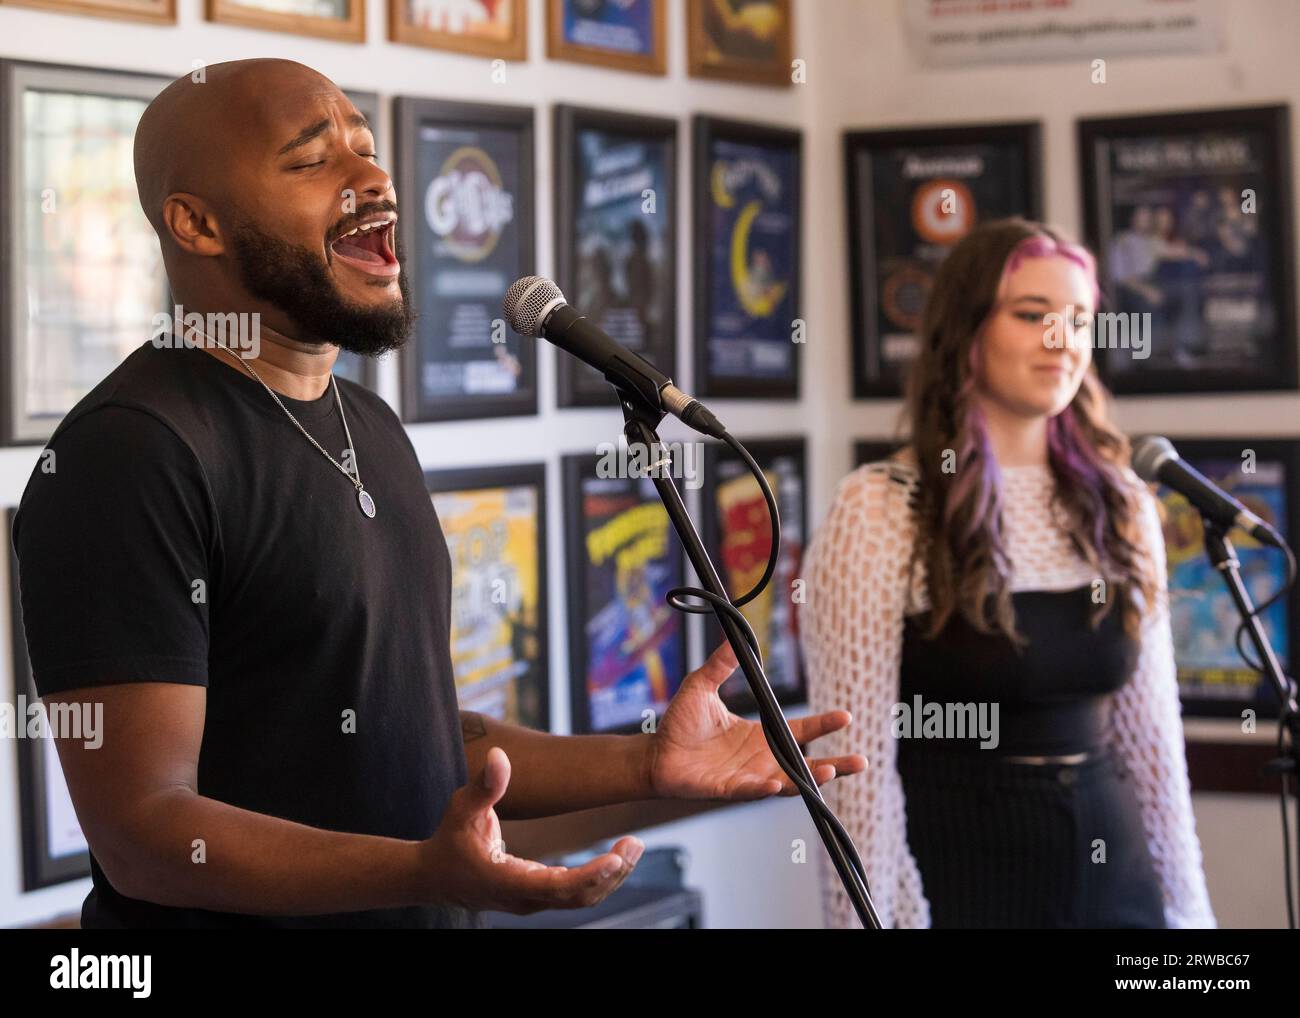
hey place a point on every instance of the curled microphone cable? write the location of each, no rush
(731, 608)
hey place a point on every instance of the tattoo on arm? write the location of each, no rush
(472, 726)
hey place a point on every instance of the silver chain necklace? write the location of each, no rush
(364, 498)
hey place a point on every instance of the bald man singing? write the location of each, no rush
(235, 555)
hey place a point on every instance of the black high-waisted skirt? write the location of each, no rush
(1016, 845)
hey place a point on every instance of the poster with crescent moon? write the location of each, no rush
(913, 194)
(748, 329)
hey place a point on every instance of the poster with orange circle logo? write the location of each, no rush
(913, 195)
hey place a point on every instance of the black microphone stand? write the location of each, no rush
(641, 416)
(1224, 558)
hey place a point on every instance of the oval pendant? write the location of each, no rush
(367, 503)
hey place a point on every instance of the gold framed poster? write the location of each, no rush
(749, 41)
(497, 29)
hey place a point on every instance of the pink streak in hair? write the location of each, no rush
(1068, 451)
(1040, 245)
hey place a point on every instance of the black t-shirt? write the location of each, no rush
(189, 533)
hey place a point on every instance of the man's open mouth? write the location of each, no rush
(368, 246)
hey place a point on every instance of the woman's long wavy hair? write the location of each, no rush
(959, 518)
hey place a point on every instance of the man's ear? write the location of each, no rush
(193, 225)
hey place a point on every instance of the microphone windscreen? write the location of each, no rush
(526, 303)
(1149, 454)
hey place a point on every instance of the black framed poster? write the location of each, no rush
(1264, 475)
(738, 536)
(494, 520)
(1190, 217)
(869, 450)
(465, 179)
(627, 646)
(81, 277)
(53, 846)
(616, 238)
(912, 194)
(747, 208)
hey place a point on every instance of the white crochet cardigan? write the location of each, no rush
(852, 633)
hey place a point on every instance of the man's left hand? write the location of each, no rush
(703, 751)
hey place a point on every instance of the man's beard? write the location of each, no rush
(296, 281)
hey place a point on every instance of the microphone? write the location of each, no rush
(1156, 461)
(534, 306)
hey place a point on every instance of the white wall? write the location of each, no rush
(860, 75)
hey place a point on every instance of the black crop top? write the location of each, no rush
(1052, 696)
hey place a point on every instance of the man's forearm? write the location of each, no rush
(189, 851)
(552, 774)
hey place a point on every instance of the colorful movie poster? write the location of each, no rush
(753, 267)
(634, 650)
(470, 251)
(624, 208)
(743, 539)
(914, 202)
(493, 538)
(1211, 673)
(615, 26)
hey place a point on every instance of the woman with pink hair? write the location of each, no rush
(990, 603)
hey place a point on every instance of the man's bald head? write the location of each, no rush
(263, 185)
(192, 132)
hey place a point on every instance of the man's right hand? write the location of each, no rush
(465, 862)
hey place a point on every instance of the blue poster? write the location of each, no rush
(624, 208)
(616, 26)
(753, 262)
(634, 639)
(468, 234)
(1203, 614)
(1185, 245)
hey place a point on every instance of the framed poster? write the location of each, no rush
(54, 848)
(869, 450)
(356, 368)
(1264, 475)
(1190, 216)
(494, 520)
(747, 208)
(466, 174)
(749, 41)
(340, 20)
(158, 11)
(628, 35)
(912, 195)
(81, 277)
(496, 29)
(627, 647)
(616, 238)
(738, 536)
